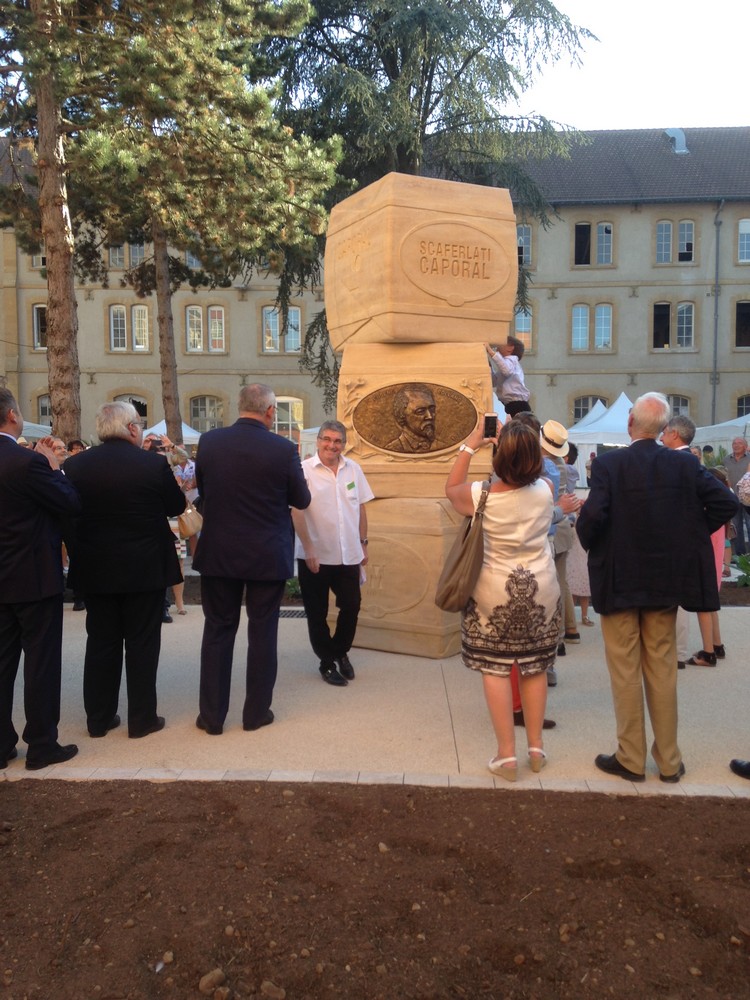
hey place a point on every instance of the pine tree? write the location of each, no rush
(148, 110)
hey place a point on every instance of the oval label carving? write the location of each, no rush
(454, 261)
(414, 418)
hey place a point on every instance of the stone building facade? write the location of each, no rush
(642, 283)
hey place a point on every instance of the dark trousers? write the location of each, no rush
(114, 621)
(742, 525)
(315, 587)
(221, 598)
(34, 627)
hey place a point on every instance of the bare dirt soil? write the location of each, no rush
(115, 890)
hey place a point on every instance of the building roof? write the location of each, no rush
(647, 165)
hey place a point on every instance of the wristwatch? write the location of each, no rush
(465, 447)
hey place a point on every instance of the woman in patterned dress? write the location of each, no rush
(513, 616)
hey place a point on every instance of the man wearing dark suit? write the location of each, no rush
(123, 558)
(646, 526)
(34, 496)
(247, 478)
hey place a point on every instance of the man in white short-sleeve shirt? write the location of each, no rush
(331, 548)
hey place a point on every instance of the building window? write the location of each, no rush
(206, 413)
(583, 404)
(139, 324)
(118, 338)
(580, 328)
(192, 261)
(216, 328)
(271, 334)
(663, 242)
(194, 328)
(39, 314)
(685, 324)
(196, 343)
(44, 410)
(523, 328)
(140, 404)
(604, 243)
(137, 254)
(742, 325)
(582, 249)
(743, 406)
(288, 421)
(117, 256)
(39, 260)
(686, 243)
(663, 325)
(603, 328)
(743, 241)
(118, 332)
(680, 406)
(523, 238)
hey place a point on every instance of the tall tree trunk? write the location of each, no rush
(169, 391)
(57, 233)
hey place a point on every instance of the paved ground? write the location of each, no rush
(404, 719)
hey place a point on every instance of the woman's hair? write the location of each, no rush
(518, 457)
(720, 473)
(178, 455)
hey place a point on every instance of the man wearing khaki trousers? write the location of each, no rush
(646, 526)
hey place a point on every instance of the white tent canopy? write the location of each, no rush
(596, 411)
(189, 436)
(610, 429)
(34, 432)
(722, 435)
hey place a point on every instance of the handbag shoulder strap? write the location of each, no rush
(483, 498)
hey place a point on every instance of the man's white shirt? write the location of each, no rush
(332, 519)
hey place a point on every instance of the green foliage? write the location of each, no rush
(714, 458)
(743, 564)
(422, 86)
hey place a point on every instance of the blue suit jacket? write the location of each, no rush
(248, 478)
(33, 499)
(647, 524)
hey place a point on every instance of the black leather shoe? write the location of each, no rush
(740, 767)
(167, 618)
(265, 721)
(680, 664)
(330, 674)
(345, 667)
(11, 755)
(96, 734)
(611, 765)
(156, 728)
(57, 756)
(211, 730)
(79, 605)
(673, 778)
(561, 651)
(518, 720)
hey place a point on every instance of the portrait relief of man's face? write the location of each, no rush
(420, 414)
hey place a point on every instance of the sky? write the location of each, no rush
(657, 64)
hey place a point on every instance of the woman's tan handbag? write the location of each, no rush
(189, 522)
(463, 562)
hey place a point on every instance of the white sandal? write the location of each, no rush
(539, 759)
(506, 767)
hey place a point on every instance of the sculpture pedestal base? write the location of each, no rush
(409, 539)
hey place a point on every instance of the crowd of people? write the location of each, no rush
(622, 550)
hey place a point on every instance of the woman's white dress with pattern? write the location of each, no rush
(514, 614)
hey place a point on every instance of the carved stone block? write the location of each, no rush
(417, 260)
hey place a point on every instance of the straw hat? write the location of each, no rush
(554, 438)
